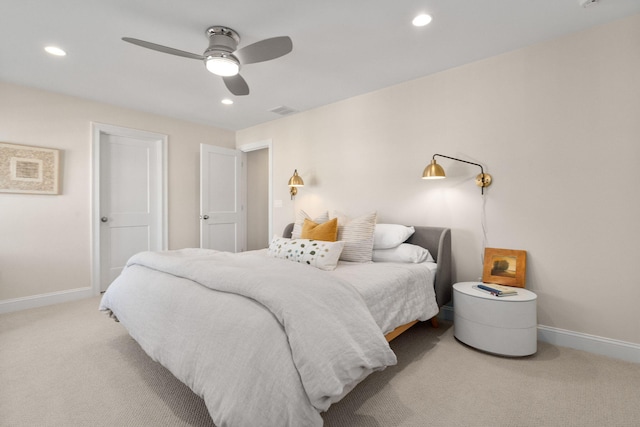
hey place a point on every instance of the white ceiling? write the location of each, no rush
(341, 48)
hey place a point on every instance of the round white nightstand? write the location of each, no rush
(501, 325)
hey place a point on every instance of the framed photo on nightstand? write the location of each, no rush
(505, 267)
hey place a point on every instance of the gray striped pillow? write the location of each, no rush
(357, 234)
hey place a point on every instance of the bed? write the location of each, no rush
(265, 341)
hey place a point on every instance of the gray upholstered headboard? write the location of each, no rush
(437, 241)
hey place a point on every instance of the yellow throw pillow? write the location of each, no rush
(327, 231)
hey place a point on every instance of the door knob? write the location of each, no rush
(205, 217)
(104, 219)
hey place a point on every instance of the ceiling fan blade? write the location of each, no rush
(264, 50)
(163, 49)
(236, 85)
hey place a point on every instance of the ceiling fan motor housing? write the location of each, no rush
(221, 40)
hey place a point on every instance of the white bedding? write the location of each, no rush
(248, 354)
(395, 293)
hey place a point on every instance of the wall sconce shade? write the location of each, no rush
(435, 171)
(294, 182)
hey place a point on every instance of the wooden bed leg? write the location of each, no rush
(400, 329)
(434, 322)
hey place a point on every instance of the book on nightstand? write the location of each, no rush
(497, 290)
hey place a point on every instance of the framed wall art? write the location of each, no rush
(505, 267)
(30, 170)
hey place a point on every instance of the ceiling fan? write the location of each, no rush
(223, 57)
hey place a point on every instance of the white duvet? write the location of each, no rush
(395, 293)
(264, 341)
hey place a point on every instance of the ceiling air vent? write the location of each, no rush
(283, 110)
(588, 3)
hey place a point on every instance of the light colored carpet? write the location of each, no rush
(70, 365)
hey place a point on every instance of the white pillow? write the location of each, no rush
(405, 252)
(316, 253)
(302, 215)
(357, 234)
(388, 236)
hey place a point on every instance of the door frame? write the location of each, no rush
(260, 145)
(161, 140)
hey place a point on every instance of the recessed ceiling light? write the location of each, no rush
(227, 101)
(55, 51)
(421, 20)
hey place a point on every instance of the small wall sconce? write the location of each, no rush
(294, 182)
(435, 171)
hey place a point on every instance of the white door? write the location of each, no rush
(130, 212)
(222, 212)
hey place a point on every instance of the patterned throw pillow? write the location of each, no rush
(317, 253)
(327, 231)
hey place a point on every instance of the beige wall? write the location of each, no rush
(45, 240)
(543, 121)
(556, 124)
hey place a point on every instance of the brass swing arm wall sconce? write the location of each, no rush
(294, 182)
(435, 171)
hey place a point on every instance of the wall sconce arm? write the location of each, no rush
(435, 171)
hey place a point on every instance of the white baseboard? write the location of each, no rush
(446, 313)
(616, 349)
(16, 304)
(623, 350)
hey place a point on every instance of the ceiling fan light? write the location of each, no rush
(223, 65)
(54, 50)
(421, 20)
